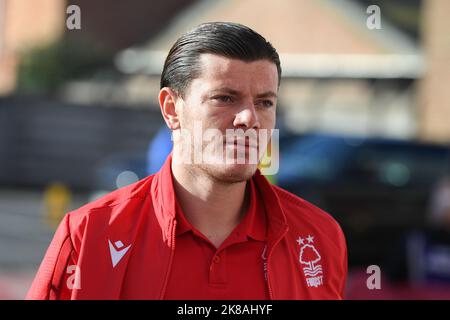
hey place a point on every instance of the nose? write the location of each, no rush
(247, 117)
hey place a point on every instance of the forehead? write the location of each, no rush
(258, 75)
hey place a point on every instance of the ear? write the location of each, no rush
(167, 102)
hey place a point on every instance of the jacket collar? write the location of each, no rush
(163, 196)
(276, 218)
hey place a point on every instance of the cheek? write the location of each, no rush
(218, 118)
(190, 114)
(267, 119)
(206, 118)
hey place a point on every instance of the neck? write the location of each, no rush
(213, 208)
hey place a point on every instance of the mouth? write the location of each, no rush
(242, 144)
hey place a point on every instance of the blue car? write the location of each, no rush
(377, 189)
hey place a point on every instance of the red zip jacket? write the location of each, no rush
(121, 246)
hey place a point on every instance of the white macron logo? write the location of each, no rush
(117, 254)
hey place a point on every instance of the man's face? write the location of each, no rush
(230, 94)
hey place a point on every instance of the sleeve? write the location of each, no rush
(51, 281)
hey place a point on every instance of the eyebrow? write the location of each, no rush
(227, 90)
(267, 94)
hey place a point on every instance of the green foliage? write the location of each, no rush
(42, 70)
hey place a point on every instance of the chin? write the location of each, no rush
(231, 173)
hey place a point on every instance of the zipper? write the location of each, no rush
(268, 263)
(172, 252)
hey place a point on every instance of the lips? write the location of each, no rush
(245, 141)
(242, 143)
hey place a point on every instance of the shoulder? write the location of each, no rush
(311, 227)
(303, 214)
(117, 205)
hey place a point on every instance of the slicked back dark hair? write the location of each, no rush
(231, 40)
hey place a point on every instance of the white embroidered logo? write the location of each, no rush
(310, 257)
(117, 254)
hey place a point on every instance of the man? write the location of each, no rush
(200, 229)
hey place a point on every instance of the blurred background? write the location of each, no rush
(364, 118)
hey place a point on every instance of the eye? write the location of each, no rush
(266, 103)
(223, 98)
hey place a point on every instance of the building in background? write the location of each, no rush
(339, 76)
(24, 25)
(106, 25)
(434, 113)
(385, 82)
